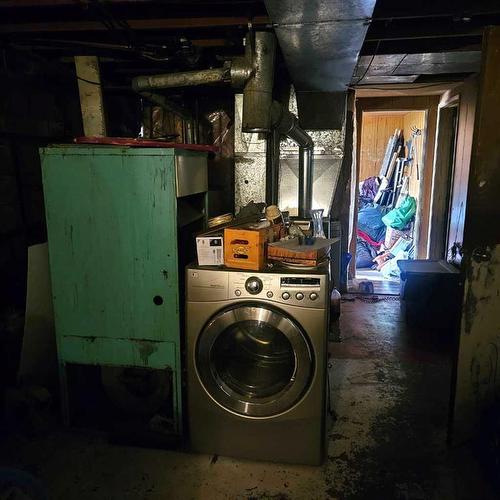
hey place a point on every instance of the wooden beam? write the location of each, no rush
(52, 3)
(89, 86)
(137, 24)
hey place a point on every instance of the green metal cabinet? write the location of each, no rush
(112, 220)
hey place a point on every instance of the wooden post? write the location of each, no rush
(341, 203)
(91, 103)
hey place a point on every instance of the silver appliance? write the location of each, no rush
(257, 362)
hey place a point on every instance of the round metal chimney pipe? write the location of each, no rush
(258, 90)
(288, 124)
(182, 79)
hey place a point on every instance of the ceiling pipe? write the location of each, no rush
(181, 79)
(255, 73)
(237, 71)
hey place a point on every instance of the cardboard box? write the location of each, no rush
(292, 252)
(210, 250)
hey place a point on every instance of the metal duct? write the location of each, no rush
(287, 124)
(258, 91)
(320, 41)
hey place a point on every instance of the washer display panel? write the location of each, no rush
(254, 360)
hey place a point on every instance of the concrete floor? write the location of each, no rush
(389, 389)
(381, 285)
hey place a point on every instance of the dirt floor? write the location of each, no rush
(389, 391)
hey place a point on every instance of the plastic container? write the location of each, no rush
(432, 293)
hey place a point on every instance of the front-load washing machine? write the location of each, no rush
(257, 363)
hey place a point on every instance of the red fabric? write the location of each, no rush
(365, 237)
(144, 143)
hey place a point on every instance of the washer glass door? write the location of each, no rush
(254, 360)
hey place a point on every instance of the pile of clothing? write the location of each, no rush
(384, 236)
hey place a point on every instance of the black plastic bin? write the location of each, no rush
(432, 293)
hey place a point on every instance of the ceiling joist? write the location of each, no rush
(136, 24)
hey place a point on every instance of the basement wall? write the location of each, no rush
(34, 111)
(376, 130)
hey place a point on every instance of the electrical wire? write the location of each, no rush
(88, 81)
(370, 63)
(105, 87)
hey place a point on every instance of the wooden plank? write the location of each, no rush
(415, 119)
(392, 164)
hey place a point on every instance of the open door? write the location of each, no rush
(477, 387)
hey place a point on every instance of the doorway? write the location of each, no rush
(391, 156)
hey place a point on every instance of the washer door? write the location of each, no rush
(254, 360)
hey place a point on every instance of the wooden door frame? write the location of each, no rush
(427, 103)
(476, 384)
(442, 179)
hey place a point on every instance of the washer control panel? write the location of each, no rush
(301, 290)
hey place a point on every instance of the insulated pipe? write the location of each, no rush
(181, 79)
(287, 124)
